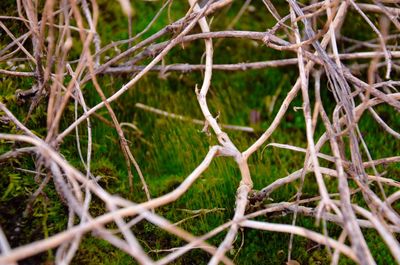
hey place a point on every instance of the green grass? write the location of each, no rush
(169, 150)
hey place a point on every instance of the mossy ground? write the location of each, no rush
(168, 150)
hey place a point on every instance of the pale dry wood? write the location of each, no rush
(196, 121)
(302, 232)
(313, 49)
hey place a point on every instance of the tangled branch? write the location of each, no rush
(310, 33)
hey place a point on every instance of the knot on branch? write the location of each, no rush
(174, 27)
(267, 38)
(223, 138)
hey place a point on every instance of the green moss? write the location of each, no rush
(168, 150)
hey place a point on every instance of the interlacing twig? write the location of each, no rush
(312, 44)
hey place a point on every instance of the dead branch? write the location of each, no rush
(311, 44)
